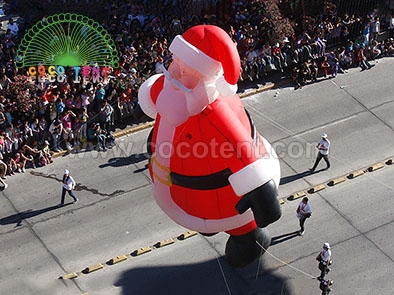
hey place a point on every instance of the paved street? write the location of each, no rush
(117, 214)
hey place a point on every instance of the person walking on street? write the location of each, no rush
(304, 211)
(325, 286)
(68, 186)
(323, 146)
(324, 258)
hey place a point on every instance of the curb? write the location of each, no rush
(93, 268)
(375, 167)
(390, 161)
(164, 243)
(141, 251)
(133, 129)
(187, 235)
(316, 188)
(117, 259)
(355, 174)
(336, 181)
(68, 276)
(297, 195)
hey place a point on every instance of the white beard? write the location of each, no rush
(176, 106)
(171, 105)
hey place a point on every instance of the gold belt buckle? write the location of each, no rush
(164, 179)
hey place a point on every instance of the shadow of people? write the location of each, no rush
(141, 169)
(205, 277)
(125, 161)
(284, 237)
(315, 171)
(294, 177)
(17, 218)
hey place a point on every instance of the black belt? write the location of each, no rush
(206, 182)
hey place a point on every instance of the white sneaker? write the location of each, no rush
(301, 233)
(5, 185)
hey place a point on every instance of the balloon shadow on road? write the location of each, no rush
(210, 277)
(17, 218)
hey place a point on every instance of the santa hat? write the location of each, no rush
(210, 50)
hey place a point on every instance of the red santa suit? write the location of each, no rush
(206, 152)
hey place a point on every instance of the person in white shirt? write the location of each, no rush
(304, 211)
(13, 27)
(68, 186)
(391, 25)
(267, 54)
(375, 29)
(324, 258)
(3, 167)
(323, 146)
(158, 65)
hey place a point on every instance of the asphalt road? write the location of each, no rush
(117, 215)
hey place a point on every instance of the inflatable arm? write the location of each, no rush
(148, 93)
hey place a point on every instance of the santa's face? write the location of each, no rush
(184, 93)
(185, 74)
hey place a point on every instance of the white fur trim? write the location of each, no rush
(194, 57)
(144, 98)
(255, 175)
(224, 88)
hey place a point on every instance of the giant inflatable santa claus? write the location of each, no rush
(211, 170)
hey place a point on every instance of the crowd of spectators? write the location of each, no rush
(39, 119)
(343, 41)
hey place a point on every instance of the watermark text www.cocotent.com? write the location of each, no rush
(200, 150)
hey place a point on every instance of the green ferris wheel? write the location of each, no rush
(67, 40)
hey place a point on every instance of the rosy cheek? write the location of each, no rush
(189, 81)
(174, 71)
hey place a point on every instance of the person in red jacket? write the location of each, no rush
(210, 168)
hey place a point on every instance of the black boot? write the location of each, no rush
(243, 250)
(264, 203)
